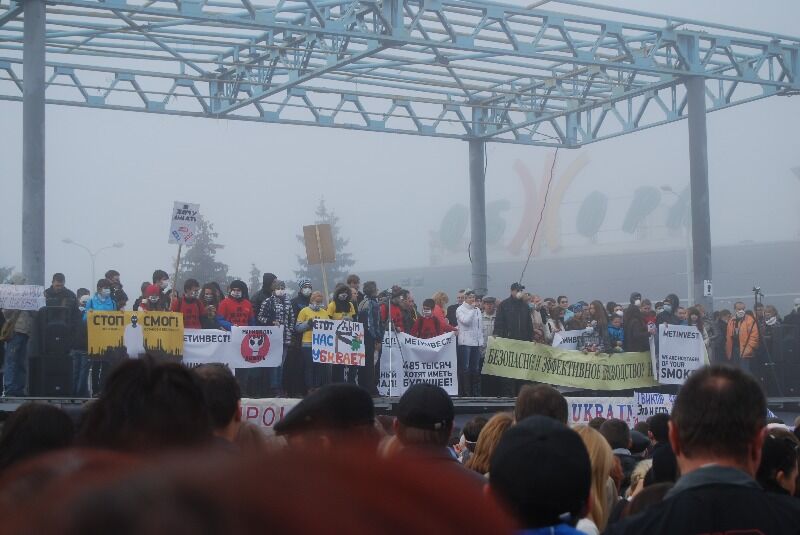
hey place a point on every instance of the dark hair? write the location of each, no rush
(32, 429)
(190, 283)
(779, 454)
(600, 316)
(616, 432)
(159, 274)
(119, 296)
(342, 306)
(718, 412)
(143, 287)
(103, 283)
(659, 426)
(541, 399)
(266, 280)
(647, 302)
(370, 288)
(649, 496)
(610, 306)
(428, 303)
(145, 406)
(239, 285)
(112, 273)
(642, 427)
(472, 429)
(58, 277)
(560, 297)
(221, 392)
(696, 312)
(353, 278)
(82, 291)
(210, 286)
(596, 422)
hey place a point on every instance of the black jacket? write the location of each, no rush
(716, 499)
(513, 320)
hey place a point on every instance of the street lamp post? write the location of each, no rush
(689, 260)
(92, 254)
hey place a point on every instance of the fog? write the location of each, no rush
(113, 176)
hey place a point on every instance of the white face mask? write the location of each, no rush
(426, 313)
(280, 293)
(194, 295)
(740, 314)
(342, 297)
(164, 284)
(105, 292)
(619, 313)
(236, 294)
(306, 291)
(638, 302)
(772, 321)
(153, 299)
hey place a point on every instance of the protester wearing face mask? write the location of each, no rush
(428, 325)
(209, 298)
(80, 358)
(235, 310)
(152, 298)
(669, 311)
(741, 338)
(513, 320)
(276, 310)
(190, 305)
(695, 319)
(342, 308)
(635, 328)
(101, 300)
(161, 280)
(316, 374)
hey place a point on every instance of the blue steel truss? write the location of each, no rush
(560, 74)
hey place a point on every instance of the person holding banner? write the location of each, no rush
(341, 308)
(555, 323)
(595, 338)
(15, 333)
(634, 325)
(316, 373)
(190, 305)
(235, 310)
(100, 301)
(470, 338)
(277, 310)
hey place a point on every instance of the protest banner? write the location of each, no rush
(134, 331)
(650, 403)
(266, 412)
(106, 331)
(566, 339)
(338, 342)
(204, 346)
(530, 361)
(21, 297)
(582, 410)
(416, 360)
(681, 351)
(242, 347)
(183, 224)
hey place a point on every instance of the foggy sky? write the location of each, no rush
(112, 176)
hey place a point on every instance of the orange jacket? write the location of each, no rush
(748, 337)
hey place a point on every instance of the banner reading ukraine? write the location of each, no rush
(135, 331)
(530, 361)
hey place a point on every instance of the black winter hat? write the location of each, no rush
(426, 406)
(337, 406)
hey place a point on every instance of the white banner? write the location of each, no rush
(266, 412)
(414, 360)
(566, 339)
(183, 224)
(243, 347)
(338, 342)
(680, 352)
(583, 410)
(650, 403)
(21, 297)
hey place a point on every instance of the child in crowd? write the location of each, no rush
(429, 326)
(616, 334)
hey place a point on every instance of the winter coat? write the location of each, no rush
(98, 303)
(637, 337)
(470, 328)
(747, 339)
(338, 315)
(276, 311)
(430, 327)
(398, 319)
(192, 310)
(302, 322)
(552, 326)
(513, 320)
(369, 313)
(63, 298)
(235, 312)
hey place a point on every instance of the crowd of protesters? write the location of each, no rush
(164, 449)
(740, 337)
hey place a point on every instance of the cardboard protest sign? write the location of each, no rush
(583, 410)
(338, 342)
(21, 297)
(416, 360)
(680, 352)
(135, 332)
(650, 403)
(183, 223)
(530, 361)
(566, 339)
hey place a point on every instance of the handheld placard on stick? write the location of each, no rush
(319, 249)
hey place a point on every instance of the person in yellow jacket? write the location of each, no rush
(342, 308)
(316, 374)
(741, 339)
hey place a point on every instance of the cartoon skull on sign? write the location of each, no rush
(255, 343)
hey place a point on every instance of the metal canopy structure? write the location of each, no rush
(557, 74)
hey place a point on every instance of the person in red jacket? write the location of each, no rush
(152, 295)
(429, 326)
(235, 310)
(190, 305)
(398, 298)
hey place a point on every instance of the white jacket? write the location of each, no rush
(470, 325)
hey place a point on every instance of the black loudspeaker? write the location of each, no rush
(56, 331)
(50, 376)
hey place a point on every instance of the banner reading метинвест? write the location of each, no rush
(530, 361)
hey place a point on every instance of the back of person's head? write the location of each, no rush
(642, 427)
(542, 472)
(472, 430)
(778, 467)
(147, 406)
(543, 400)
(719, 413)
(659, 426)
(649, 496)
(221, 393)
(602, 461)
(617, 433)
(487, 441)
(425, 415)
(32, 429)
(596, 422)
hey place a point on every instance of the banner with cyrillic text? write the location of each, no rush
(183, 223)
(406, 361)
(566, 339)
(651, 403)
(242, 347)
(681, 351)
(21, 297)
(583, 410)
(266, 412)
(135, 332)
(530, 361)
(338, 342)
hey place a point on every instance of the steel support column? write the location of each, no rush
(700, 202)
(33, 137)
(477, 207)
